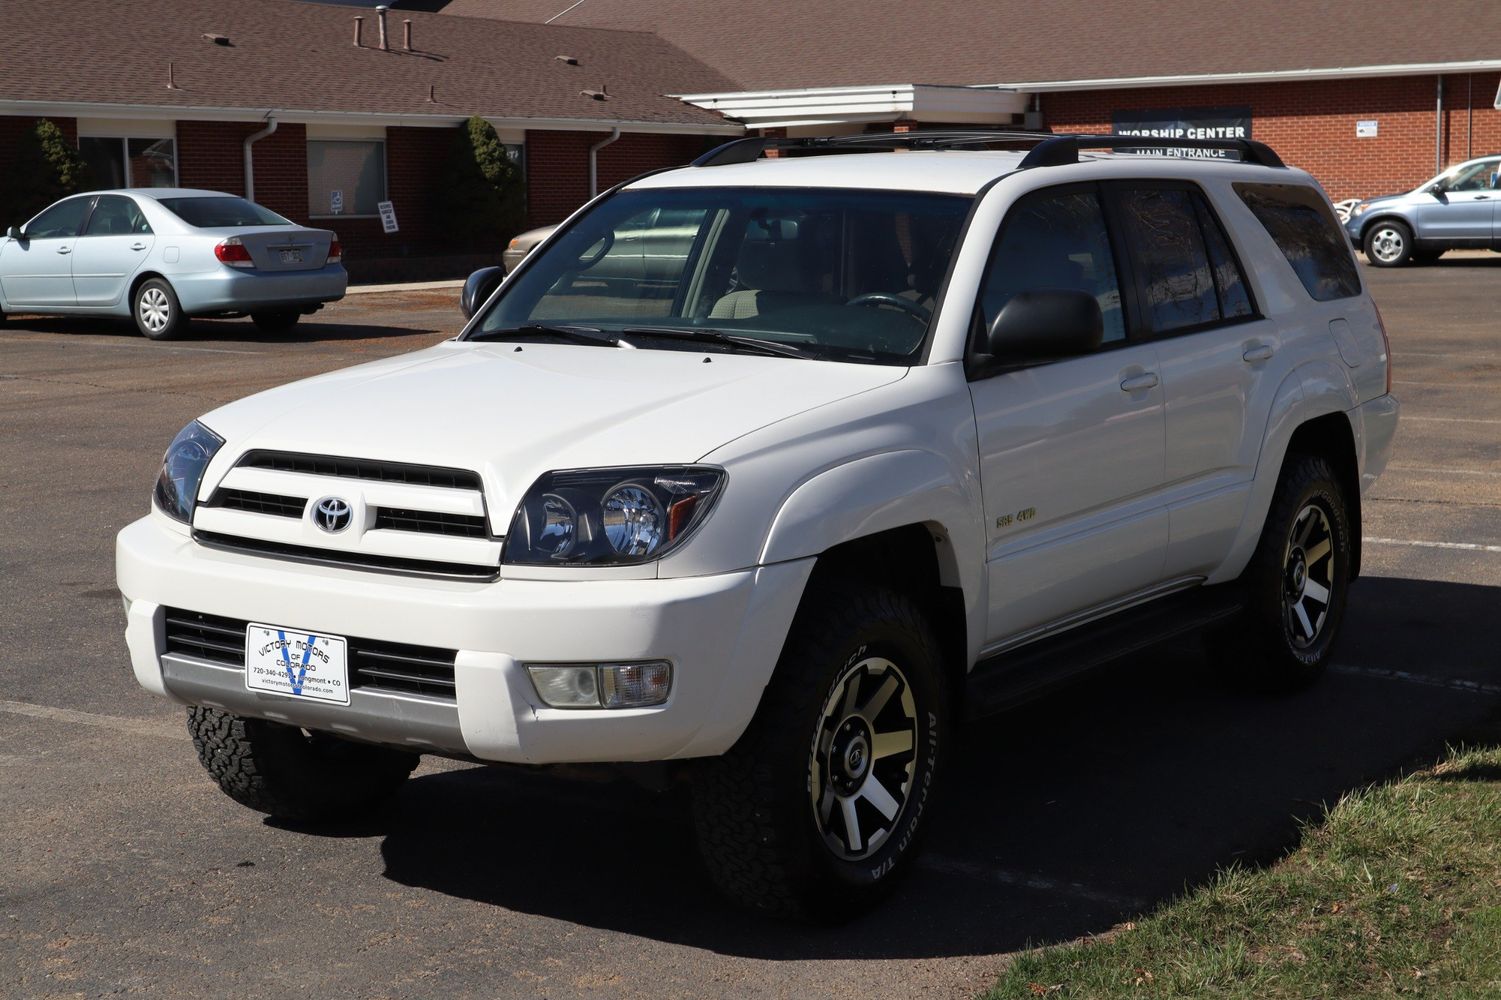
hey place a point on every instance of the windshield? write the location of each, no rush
(220, 212)
(841, 274)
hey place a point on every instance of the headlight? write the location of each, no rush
(1359, 211)
(604, 517)
(182, 470)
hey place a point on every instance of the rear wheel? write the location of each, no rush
(817, 810)
(278, 321)
(291, 774)
(157, 313)
(1388, 243)
(1297, 581)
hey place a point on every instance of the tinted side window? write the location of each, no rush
(1229, 280)
(1302, 225)
(61, 220)
(115, 215)
(1170, 258)
(1055, 240)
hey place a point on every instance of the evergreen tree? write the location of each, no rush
(45, 167)
(480, 193)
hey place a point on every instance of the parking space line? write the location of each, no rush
(1448, 683)
(1456, 384)
(1021, 880)
(1419, 544)
(1443, 472)
(136, 727)
(1449, 420)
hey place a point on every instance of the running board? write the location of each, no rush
(1016, 676)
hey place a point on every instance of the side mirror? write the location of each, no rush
(14, 232)
(1045, 325)
(477, 288)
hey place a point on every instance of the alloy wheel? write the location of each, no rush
(1308, 576)
(1388, 245)
(863, 758)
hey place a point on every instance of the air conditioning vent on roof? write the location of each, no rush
(217, 39)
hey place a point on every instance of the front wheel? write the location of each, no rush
(1388, 243)
(291, 774)
(157, 313)
(279, 321)
(817, 810)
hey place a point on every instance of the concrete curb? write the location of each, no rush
(410, 286)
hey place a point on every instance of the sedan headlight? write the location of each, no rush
(605, 517)
(182, 470)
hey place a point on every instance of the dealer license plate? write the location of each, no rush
(291, 256)
(296, 663)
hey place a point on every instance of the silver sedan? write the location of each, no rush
(162, 255)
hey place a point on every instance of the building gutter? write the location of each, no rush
(181, 112)
(251, 140)
(1271, 76)
(594, 161)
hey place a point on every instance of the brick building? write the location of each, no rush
(1371, 96)
(300, 106)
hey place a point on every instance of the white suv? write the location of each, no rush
(912, 428)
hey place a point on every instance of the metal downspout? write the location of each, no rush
(594, 161)
(1438, 129)
(251, 140)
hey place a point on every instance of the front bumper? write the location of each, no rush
(226, 289)
(723, 635)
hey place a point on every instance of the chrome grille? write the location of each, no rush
(374, 665)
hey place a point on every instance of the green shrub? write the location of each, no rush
(45, 167)
(480, 195)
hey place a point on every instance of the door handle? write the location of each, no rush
(64, 249)
(1136, 383)
(1261, 352)
(138, 246)
(1482, 197)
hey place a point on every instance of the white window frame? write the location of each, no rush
(125, 129)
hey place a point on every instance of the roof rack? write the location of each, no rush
(1047, 149)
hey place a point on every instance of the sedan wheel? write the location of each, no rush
(157, 313)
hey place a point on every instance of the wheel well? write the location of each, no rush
(140, 280)
(908, 561)
(1329, 437)
(1365, 227)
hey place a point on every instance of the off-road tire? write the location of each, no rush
(279, 321)
(759, 831)
(287, 773)
(1388, 243)
(1267, 644)
(157, 313)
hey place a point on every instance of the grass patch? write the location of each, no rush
(1396, 893)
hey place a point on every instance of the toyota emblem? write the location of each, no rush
(333, 514)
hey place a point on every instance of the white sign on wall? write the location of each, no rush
(1367, 128)
(336, 202)
(387, 216)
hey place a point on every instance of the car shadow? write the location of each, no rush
(217, 331)
(1062, 819)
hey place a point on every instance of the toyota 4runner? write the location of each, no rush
(912, 426)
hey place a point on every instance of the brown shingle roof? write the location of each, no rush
(776, 44)
(290, 56)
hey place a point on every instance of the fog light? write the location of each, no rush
(607, 685)
(567, 687)
(634, 685)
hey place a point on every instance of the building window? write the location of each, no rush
(120, 162)
(345, 177)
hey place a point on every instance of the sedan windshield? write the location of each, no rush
(840, 274)
(219, 212)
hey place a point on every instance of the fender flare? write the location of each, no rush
(885, 491)
(1312, 390)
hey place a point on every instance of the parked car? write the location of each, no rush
(163, 255)
(1453, 211)
(904, 438)
(522, 245)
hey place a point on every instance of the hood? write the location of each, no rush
(511, 414)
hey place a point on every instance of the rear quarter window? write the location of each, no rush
(1300, 222)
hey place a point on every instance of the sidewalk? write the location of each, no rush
(410, 286)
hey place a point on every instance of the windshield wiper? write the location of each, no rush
(577, 334)
(753, 345)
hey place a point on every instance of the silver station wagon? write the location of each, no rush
(163, 255)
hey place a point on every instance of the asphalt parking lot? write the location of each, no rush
(127, 873)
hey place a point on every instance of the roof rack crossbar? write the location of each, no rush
(1048, 149)
(1064, 149)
